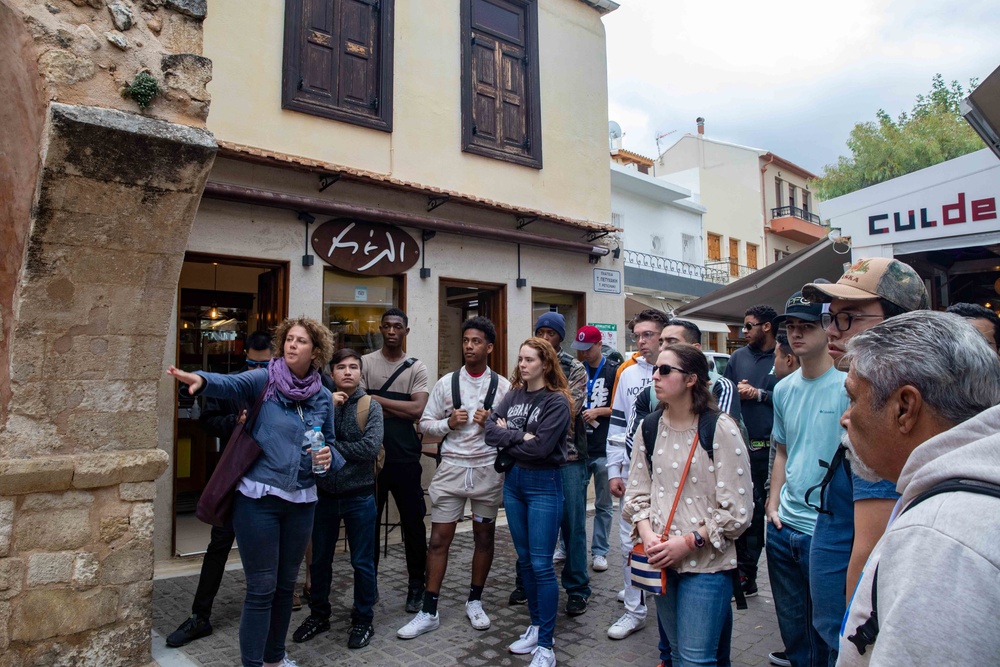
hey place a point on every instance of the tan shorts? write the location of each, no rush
(453, 485)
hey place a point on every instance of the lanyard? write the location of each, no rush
(591, 379)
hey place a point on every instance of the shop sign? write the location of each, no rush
(369, 248)
(609, 333)
(955, 208)
(607, 281)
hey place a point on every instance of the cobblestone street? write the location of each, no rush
(580, 641)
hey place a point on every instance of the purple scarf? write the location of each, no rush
(281, 380)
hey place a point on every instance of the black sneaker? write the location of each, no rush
(312, 626)
(517, 596)
(361, 635)
(191, 629)
(576, 605)
(749, 587)
(415, 600)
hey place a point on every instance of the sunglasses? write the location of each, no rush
(750, 325)
(665, 369)
(257, 364)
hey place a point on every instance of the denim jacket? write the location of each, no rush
(279, 430)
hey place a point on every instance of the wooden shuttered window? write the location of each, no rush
(338, 60)
(501, 117)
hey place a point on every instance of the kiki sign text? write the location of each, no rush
(369, 248)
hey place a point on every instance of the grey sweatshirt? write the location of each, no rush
(939, 564)
(359, 449)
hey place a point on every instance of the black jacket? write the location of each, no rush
(755, 366)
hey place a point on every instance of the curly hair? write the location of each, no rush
(555, 379)
(320, 336)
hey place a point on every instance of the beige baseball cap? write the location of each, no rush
(878, 277)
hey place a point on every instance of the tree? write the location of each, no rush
(934, 131)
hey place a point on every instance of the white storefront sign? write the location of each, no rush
(607, 281)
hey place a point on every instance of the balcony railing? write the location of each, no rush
(795, 212)
(676, 267)
(730, 267)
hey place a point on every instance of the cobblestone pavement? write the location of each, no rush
(580, 641)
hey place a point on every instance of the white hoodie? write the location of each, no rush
(633, 379)
(939, 564)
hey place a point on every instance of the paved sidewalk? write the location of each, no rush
(580, 641)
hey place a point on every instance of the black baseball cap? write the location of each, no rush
(798, 306)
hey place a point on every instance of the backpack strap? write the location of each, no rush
(653, 400)
(364, 406)
(839, 460)
(491, 391)
(649, 425)
(707, 422)
(866, 633)
(456, 393)
(399, 371)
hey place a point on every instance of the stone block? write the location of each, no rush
(181, 34)
(141, 520)
(4, 626)
(6, 525)
(50, 568)
(113, 430)
(116, 39)
(86, 40)
(11, 577)
(113, 527)
(128, 564)
(145, 465)
(97, 470)
(135, 601)
(40, 614)
(85, 570)
(37, 502)
(59, 530)
(121, 15)
(196, 9)
(137, 491)
(111, 468)
(62, 67)
(21, 476)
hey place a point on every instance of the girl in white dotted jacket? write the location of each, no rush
(714, 505)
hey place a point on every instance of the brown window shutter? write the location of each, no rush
(514, 122)
(485, 91)
(358, 72)
(318, 52)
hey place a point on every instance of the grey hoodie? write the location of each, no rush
(939, 572)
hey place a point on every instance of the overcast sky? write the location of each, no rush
(789, 76)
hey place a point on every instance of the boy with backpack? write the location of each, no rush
(456, 411)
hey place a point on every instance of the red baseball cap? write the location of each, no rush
(586, 337)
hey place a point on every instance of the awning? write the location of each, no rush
(639, 302)
(773, 284)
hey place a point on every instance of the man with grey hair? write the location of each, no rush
(924, 389)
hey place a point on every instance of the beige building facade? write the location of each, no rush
(507, 221)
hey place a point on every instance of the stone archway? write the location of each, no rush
(97, 200)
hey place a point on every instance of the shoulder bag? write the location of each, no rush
(215, 506)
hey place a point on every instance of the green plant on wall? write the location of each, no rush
(142, 89)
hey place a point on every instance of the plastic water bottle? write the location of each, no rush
(315, 442)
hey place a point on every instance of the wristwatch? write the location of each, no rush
(699, 541)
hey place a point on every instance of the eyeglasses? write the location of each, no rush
(844, 320)
(647, 335)
(257, 364)
(750, 325)
(665, 370)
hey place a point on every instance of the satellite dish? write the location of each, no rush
(614, 130)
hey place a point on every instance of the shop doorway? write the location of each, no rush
(221, 300)
(458, 301)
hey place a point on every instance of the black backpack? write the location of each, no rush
(866, 633)
(456, 398)
(706, 431)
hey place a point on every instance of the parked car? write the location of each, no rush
(717, 361)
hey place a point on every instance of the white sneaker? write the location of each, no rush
(625, 626)
(621, 595)
(600, 564)
(527, 643)
(544, 657)
(421, 623)
(288, 662)
(559, 555)
(478, 617)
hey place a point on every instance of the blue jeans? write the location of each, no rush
(358, 514)
(533, 502)
(575, 576)
(829, 555)
(697, 616)
(788, 569)
(603, 508)
(272, 534)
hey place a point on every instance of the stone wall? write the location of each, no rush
(100, 195)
